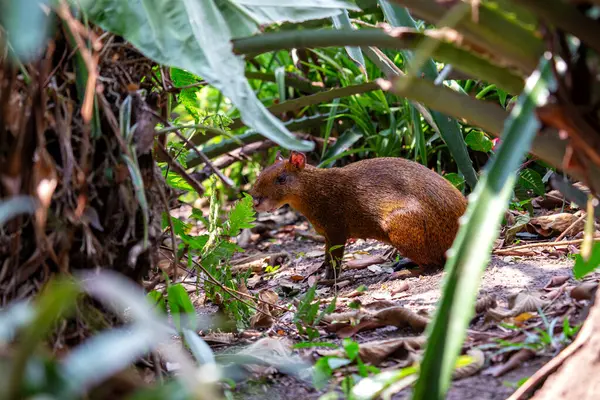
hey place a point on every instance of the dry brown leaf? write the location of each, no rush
(527, 301)
(485, 303)
(403, 350)
(404, 286)
(469, 370)
(364, 262)
(351, 330)
(557, 281)
(219, 338)
(401, 317)
(553, 224)
(498, 314)
(513, 362)
(584, 291)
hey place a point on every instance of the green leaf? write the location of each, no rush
(470, 252)
(351, 348)
(582, 267)
(104, 355)
(170, 33)
(448, 128)
(14, 206)
(201, 351)
(345, 141)
(26, 27)
(181, 77)
(478, 141)
(342, 21)
(456, 180)
(530, 179)
(157, 299)
(242, 216)
(182, 309)
(177, 182)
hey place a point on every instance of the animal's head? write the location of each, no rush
(276, 183)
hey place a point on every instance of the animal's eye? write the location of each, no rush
(281, 179)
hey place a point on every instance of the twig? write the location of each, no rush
(540, 244)
(562, 235)
(228, 182)
(91, 61)
(180, 170)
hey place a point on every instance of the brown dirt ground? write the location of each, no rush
(503, 277)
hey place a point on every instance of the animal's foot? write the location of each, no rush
(405, 263)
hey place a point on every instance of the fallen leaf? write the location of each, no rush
(477, 360)
(513, 362)
(519, 319)
(404, 286)
(557, 281)
(364, 262)
(527, 301)
(382, 296)
(401, 317)
(553, 224)
(584, 291)
(403, 350)
(485, 303)
(296, 278)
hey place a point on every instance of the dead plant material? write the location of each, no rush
(584, 291)
(401, 317)
(264, 319)
(364, 262)
(554, 224)
(402, 350)
(485, 303)
(478, 360)
(557, 281)
(513, 362)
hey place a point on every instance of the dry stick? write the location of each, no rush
(228, 182)
(541, 244)
(91, 61)
(562, 235)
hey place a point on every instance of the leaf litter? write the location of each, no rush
(387, 317)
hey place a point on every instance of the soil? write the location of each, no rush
(504, 276)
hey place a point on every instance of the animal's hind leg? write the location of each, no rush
(407, 231)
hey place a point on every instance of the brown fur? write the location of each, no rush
(393, 200)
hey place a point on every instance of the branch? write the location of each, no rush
(398, 38)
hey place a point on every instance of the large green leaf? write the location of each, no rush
(470, 252)
(342, 21)
(195, 35)
(182, 309)
(26, 26)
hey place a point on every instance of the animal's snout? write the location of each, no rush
(257, 200)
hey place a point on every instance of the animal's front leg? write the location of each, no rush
(334, 252)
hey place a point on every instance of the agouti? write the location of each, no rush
(393, 200)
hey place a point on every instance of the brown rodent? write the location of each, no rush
(393, 200)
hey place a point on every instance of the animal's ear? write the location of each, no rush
(279, 157)
(298, 160)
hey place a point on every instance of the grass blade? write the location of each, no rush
(471, 249)
(448, 128)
